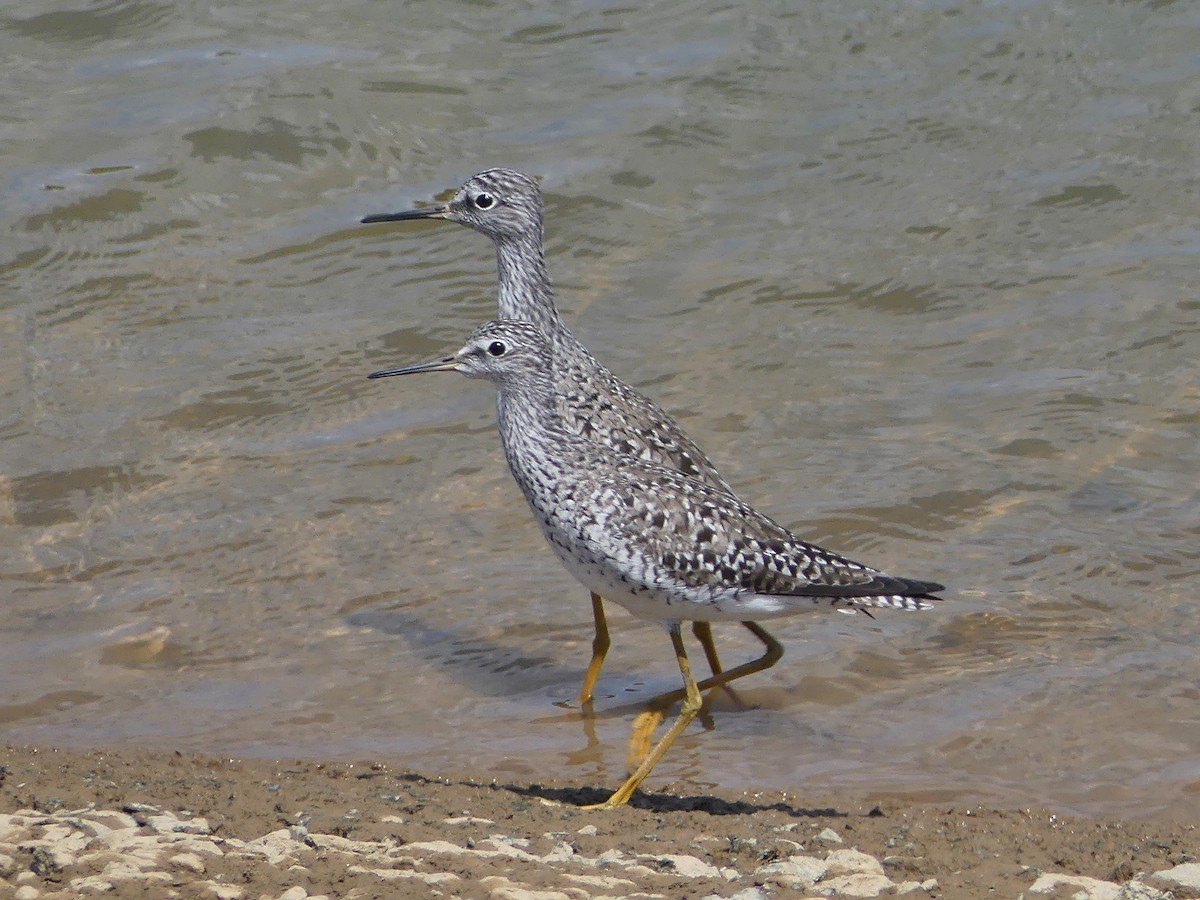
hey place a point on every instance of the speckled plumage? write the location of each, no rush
(506, 205)
(664, 545)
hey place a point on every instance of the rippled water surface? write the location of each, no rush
(921, 277)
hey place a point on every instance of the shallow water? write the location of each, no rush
(921, 278)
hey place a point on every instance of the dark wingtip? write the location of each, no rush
(879, 586)
(923, 588)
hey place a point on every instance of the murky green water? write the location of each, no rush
(922, 278)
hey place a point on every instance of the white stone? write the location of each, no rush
(1186, 875)
(860, 884)
(467, 820)
(11, 826)
(59, 855)
(498, 849)
(605, 882)
(275, 846)
(195, 844)
(610, 858)
(561, 853)
(93, 829)
(169, 824)
(123, 869)
(505, 848)
(224, 891)
(294, 893)
(53, 834)
(92, 884)
(639, 871)
(829, 836)
(1089, 888)
(798, 869)
(190, 861)
(908, 887)
(1136, 890)
(434, 847)
(109, 819)
(687, 866)
(432, 878)
(852, 862)
(163, 823)
(500, 888)
(26, 892)
(346, 845)
(588, 830)
(506, 839)
(750, 893)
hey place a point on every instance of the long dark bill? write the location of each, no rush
(438, 365)
(433, 212)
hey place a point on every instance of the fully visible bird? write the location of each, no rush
(506, 205)
(666, 546)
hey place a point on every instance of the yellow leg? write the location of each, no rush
(600, 645)
(691, 706)
(647, 722)
(771, 655)
(703, 633)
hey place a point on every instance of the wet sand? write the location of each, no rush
(162, 823)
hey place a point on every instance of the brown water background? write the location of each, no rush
(920, 276)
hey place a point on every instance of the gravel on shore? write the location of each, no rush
(163, 824)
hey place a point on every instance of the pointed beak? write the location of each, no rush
(448, 364)
(433, 212)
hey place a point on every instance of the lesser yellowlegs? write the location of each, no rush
(666, 546)
(506, 205)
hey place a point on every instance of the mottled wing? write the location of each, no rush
(597, 405)
(707, 538)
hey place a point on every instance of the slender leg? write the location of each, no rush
(703, 633)
(648, 721)
(772, 653)
(691, 706)
(600, 645)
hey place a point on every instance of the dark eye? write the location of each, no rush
(484, 201)
(497, 348)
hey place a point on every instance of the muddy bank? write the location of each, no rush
(157, 824)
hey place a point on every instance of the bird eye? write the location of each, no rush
(497, 348)
(484, 201)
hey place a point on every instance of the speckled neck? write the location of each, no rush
(525, 291)
(532, 434)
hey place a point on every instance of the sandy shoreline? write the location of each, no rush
(160, 823)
